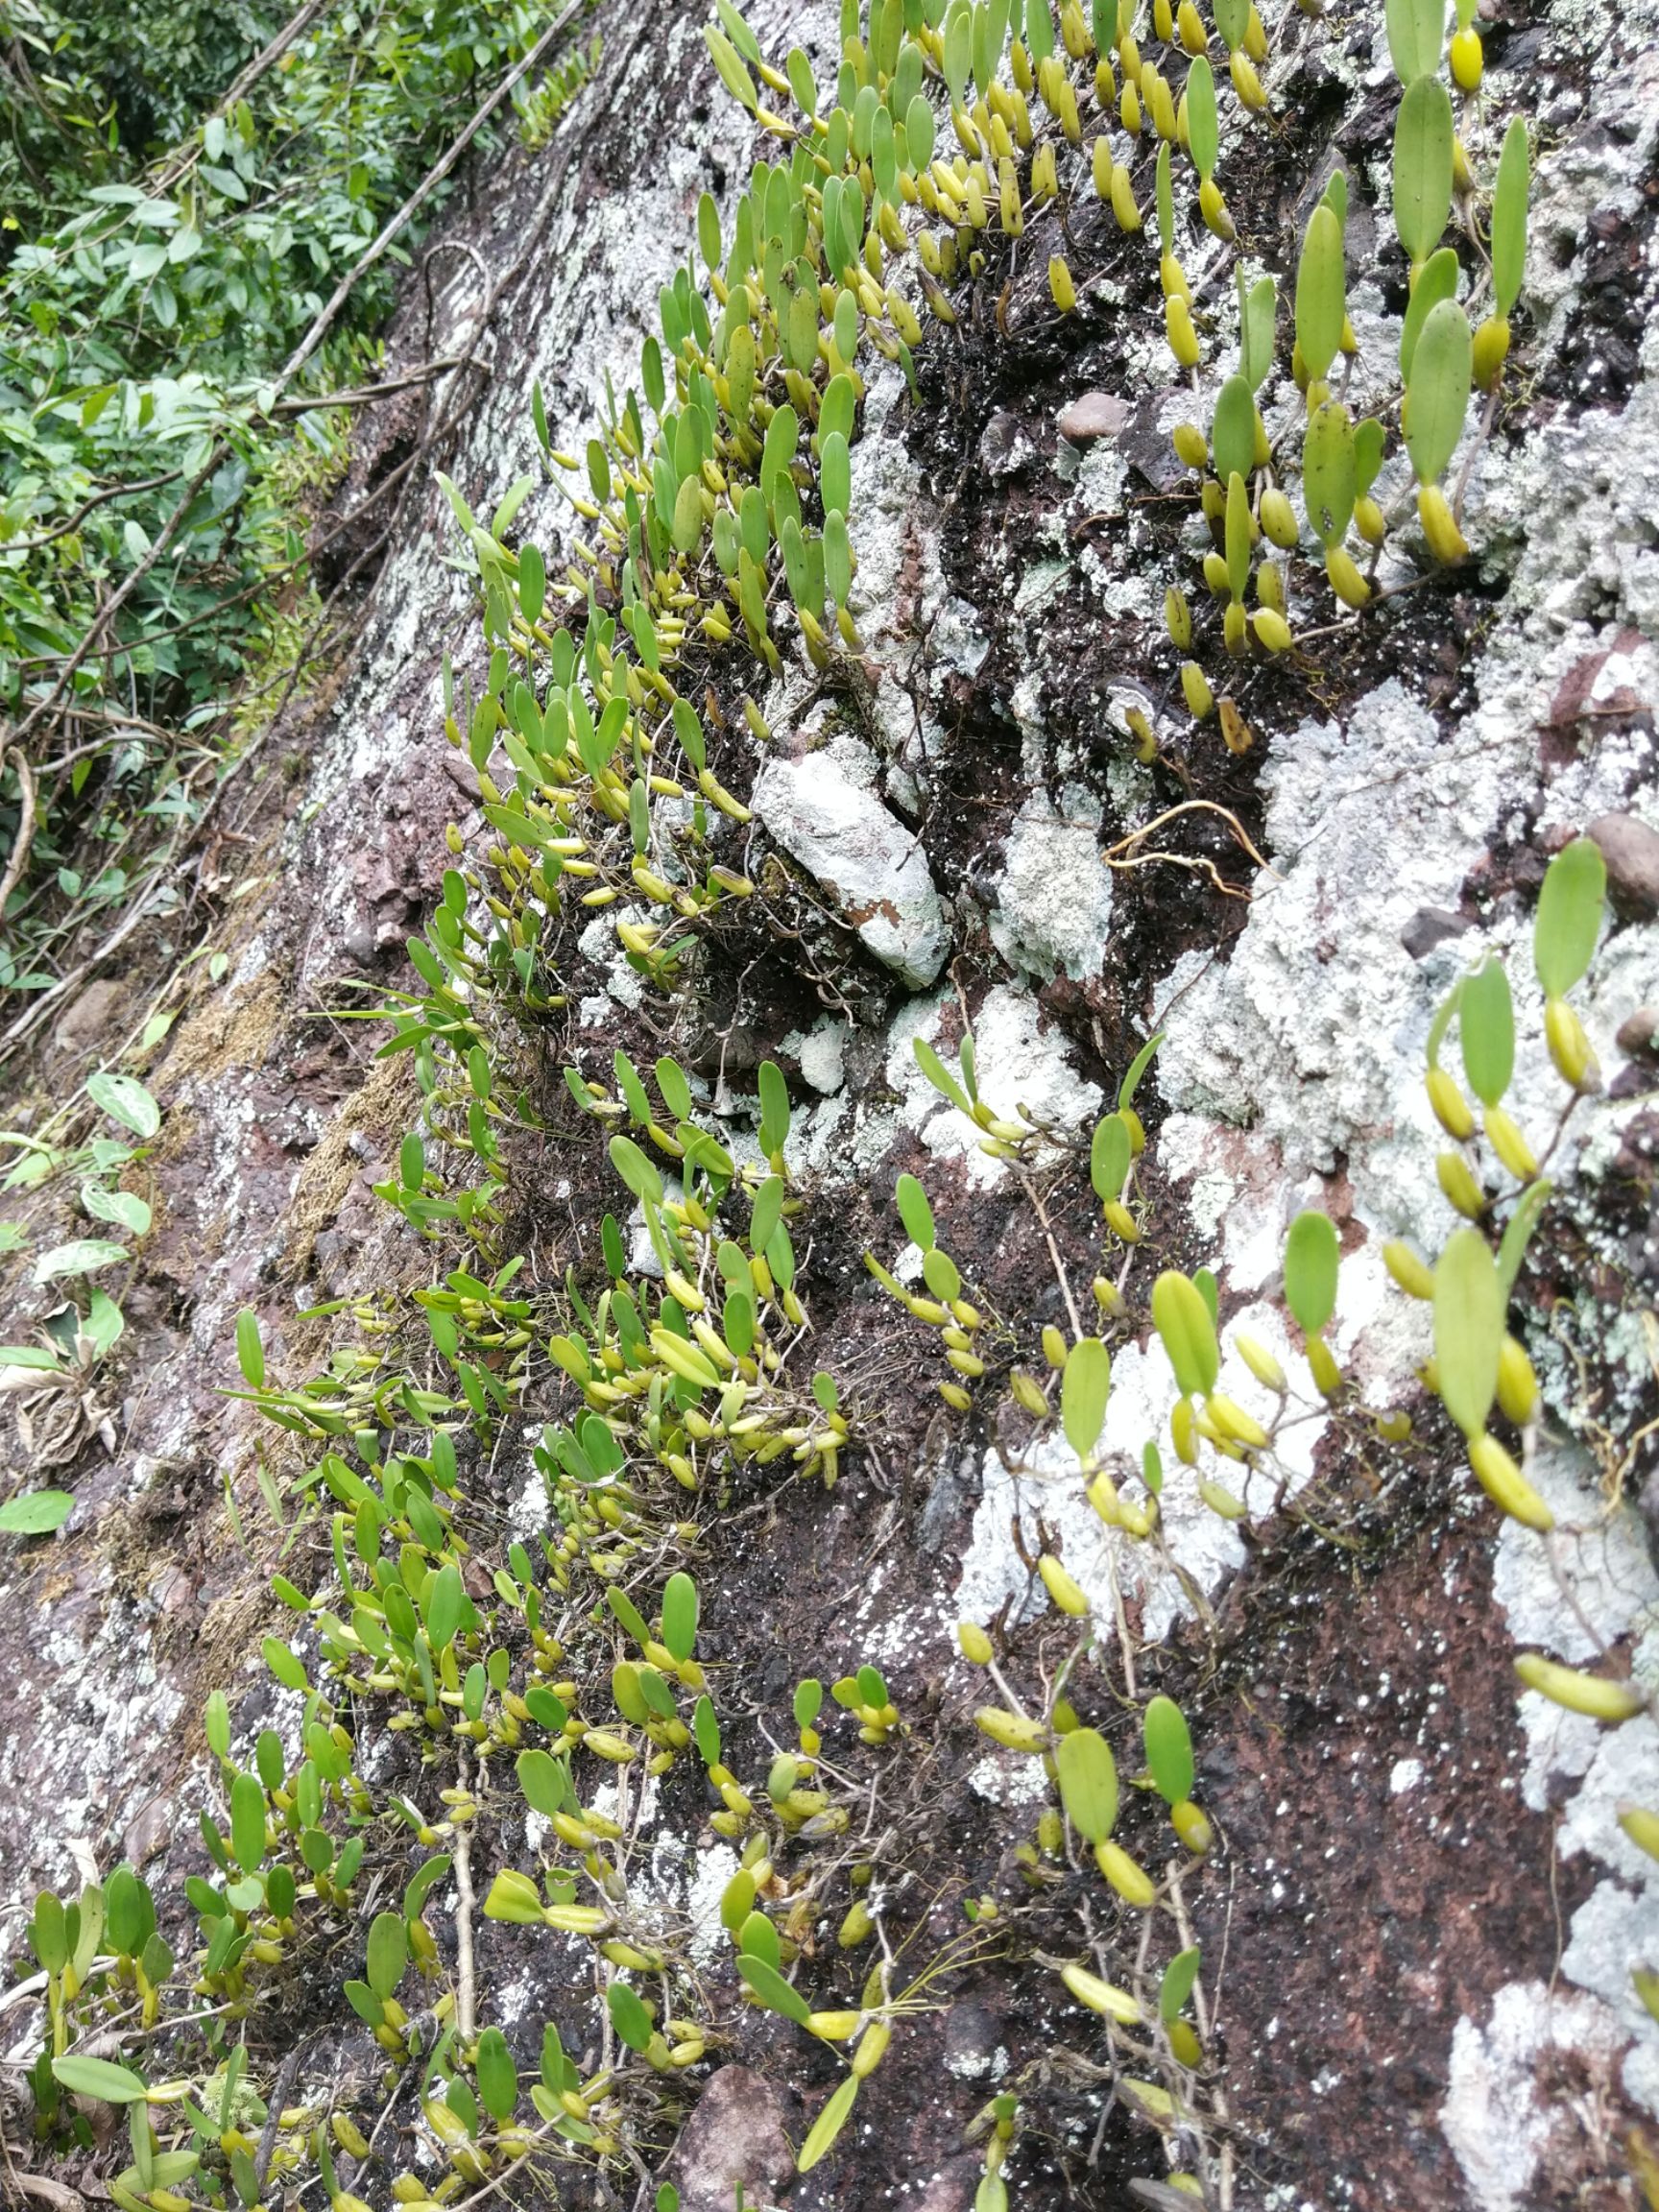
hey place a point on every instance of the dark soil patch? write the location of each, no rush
(1361, 1755)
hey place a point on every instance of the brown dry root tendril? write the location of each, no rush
(1197, 862)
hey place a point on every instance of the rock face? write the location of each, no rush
(1401, 2025)
(873, 869)
(734, 2142)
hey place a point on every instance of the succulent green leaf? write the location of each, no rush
(1469, 1304)
(808, 1702)
(1084, 1388)
(821, 2137)
(1164, 194)
(1181, 1320)
(1423, 137)
(1327, 472)
(1570, 911)
(705, 1729)
(497, 2076)
(1437, 394)
(1088, 1776)
(388, 1953)
(1237, 535)
(758, 1938)
(1203, 135)
(732, 71)
(514, 1897)
(629, 2016)
(1509, 217)
(248, 1821)
(914, 1211)
(679, 1615)
(1518, 1232)
(1486, 1031)
(1232, 432)
(250, 1349)
(773, 1991)
(1437, 281)
(1321, 293)
(628, 1613)
(545, 1782)
(99, 2077)
(445, 1605)
(1109, 1156)
(1136, 1069)
(1176, 1985)
(284, 1663)
(1168, 1751)
(1417, 36)
(940, 1076)
(774, 1109)
(1259, 308)
(48, 1931)
(1310, 1257)
(635, 1170)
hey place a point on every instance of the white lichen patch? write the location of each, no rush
(1496, 2119)
(1054, 895)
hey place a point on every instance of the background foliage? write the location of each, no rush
(164, 251)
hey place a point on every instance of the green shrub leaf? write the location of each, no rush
(124, 1099)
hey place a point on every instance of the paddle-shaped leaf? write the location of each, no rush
(1181, 1320)
(1088, 1782)
(1320, 292)
(1422, 135)
(1468, 1328)
(1084, 1387)
(1570, 911)
(1437, 395)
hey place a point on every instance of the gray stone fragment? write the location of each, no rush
(873, 867)
(1091, 414)
(1006, 447)
(1631, 851)
(1432, 925)
(734, 2137)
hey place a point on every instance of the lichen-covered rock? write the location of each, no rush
(732, 2150)
(873, 869)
